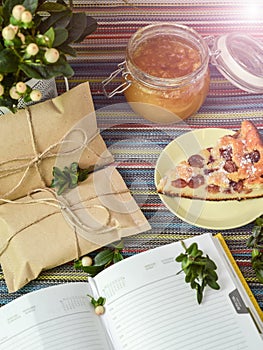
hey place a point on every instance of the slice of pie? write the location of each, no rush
(230, 170)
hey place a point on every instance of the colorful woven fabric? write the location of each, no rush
(135, 143)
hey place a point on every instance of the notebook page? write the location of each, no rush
(54, 318)
(150, 307)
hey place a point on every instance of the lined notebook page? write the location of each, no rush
(152, 308)
(55, 318)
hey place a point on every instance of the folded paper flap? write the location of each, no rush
(103, 183)
(65, 111)
(16, 216)
(39, 141)
(49, 125)
(43, 247)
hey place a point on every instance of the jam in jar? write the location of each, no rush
(168, 68)
(165, 73)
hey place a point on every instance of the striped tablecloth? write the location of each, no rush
(134, 142)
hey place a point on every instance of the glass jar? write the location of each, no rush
(165, 74)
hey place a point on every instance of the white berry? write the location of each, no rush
(13, 93)
(99, 310)
(52, 55)
(14, 27)
(32, 49)
(17, 11)
(35, 95)
(86, 261)
(8, 33)
(1, 90)
(26, 17)
(21, 87)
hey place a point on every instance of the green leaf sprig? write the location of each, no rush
(255, 241)
(69, 177)
(199, 270)
(102, 259)
(36, 38)
(98, 304)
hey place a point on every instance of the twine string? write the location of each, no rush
(69, 215)
(38, 157)
(60, 203)
(34, 145)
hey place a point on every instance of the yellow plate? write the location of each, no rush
(221, 215)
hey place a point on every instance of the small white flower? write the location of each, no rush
(35, 95)
(51, 55)
(26, 17)
(8, 33)
(17, 11)
(1, 89)
(13, 93)
(86, 261)
(21, 87)
(32, 49)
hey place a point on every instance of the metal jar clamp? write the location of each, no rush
(121, 88)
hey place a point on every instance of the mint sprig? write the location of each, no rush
(255, 241)
(256, 238)
(257, 263)
(69, 177)
(199, 270)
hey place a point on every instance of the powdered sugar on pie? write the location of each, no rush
(231, 169)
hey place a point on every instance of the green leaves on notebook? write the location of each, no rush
(255, 241)
(98, 304)
(199, 269)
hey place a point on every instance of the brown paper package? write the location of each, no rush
(38, 236)
(35, 235)
(27, 136)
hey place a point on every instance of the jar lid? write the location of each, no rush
(239, 58)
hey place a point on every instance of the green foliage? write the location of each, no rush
(52, 20)
(99, 302)
(199, 270)
(102, 259)
(69, 177)
(257, 263)
(256, 238)
(255, 241)
(8, 61)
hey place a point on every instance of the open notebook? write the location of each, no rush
(148, 306)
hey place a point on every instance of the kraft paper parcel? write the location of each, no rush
(36, 138)
(38, 229)
(41, 231)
